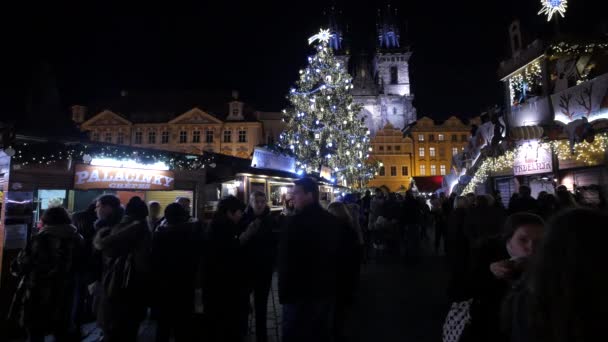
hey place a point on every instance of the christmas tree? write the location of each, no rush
(322, 124)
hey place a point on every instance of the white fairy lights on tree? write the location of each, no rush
(322, 124)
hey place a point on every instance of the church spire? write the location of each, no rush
(389, 34)
(336, 39)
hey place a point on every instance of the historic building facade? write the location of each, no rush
(394, 152)
(194, 131)
(435, 144)
(382, 82)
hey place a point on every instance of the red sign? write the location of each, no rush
(88, 177)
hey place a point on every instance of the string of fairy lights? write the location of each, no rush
(48, 154)
(585, 152)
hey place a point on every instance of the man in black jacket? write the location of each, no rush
(259, 256)
(312, 251)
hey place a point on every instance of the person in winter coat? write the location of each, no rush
(564, 296)
(348, 285)
(524, 202)
(125, 249)
(175, 260)
(49, 265)
(497, 265)
(313, 254)
(458, 250)
(225, 281)
(154, 218)
(84, 221)
(259, 256)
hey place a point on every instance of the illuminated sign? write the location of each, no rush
(88, 177)
(532, 158)
(264, 159)
(128, 163)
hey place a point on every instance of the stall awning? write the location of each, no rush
(428, 184)
(526, 132)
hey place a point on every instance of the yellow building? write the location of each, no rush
(394, 152)
(434, 145)
(193, 131)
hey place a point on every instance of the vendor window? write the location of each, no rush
(196, 136)
(209, 136)
(139, 137)
(242, 136)
(152, 137)
(183, 137)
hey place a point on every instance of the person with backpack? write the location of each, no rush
(125, 249)
(48, 267)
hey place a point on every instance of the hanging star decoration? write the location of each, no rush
(550, 7)
(322, 36)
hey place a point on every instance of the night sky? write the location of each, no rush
(258, 47)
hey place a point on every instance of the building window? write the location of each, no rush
(227, 136)
(164, 138)
(152, 137)
(394, 75)
(139, 137)
(441, 137)
(431, 137)
(420, 137)
(433, 170)
(442, 170)
(95, 136)
(397, 148)
(381, 170)
(108, 137)
(462, 149)
(209, 136)
(389, 148)
(441, 152)
(120, 138)
(393, 171)
(381, 148)
(463, 138)
(421, 152)
(432, 152)
(454, 138)
(422, 170)
(394, 110)
(454, 151)
(235, 111)
(404, 170)
(196, 136)
(242, 136)
(183, 137)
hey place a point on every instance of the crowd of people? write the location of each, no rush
(525, 272)
(118, 265)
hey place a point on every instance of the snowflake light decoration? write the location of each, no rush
(550, 7)
(323, 36)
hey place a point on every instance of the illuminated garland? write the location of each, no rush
(49, 153)
(576, 49)
(584, 152)
(530, 77)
